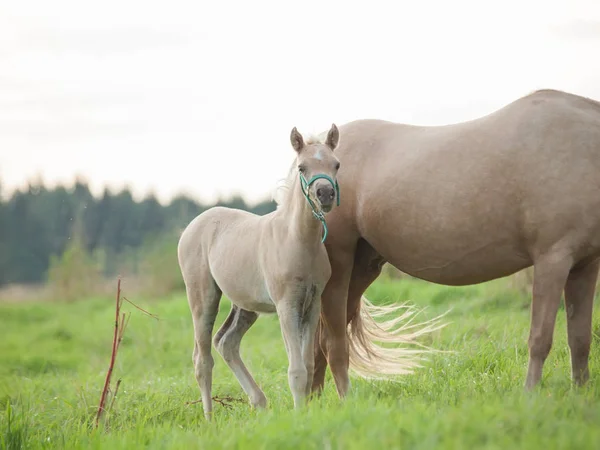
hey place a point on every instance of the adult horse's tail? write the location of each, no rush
(370, 359)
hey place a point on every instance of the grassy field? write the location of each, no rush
(53, 359)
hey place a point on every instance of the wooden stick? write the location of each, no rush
(223, 401)
(154, 316)
(114, 396)
(112, 356)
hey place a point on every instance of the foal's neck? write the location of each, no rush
(299, 215)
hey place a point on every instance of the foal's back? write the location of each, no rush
(225, 243)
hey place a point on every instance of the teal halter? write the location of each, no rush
(316, 212)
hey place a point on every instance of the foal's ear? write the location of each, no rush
(296, 139)
(333, 137)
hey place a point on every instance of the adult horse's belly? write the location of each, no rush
(443, 251)
(470, 202)
(448, 217)
(474, 201)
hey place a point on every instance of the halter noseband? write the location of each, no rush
(316, 212)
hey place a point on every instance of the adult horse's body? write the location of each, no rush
(467, 203)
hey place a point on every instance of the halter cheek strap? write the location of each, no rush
(316, 211)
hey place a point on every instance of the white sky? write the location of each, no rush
(200, 96)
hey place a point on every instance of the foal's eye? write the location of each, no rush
(301, 168)
(337, 166)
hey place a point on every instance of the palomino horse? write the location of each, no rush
(263, 264)
(468, 203)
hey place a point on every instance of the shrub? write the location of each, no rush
(75, 274)
(158, 267)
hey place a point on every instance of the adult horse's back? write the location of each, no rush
(467, 203)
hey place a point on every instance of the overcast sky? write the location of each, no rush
(199, 97)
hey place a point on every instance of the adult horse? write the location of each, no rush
(464, 204)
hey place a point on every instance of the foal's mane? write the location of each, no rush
(284, 189)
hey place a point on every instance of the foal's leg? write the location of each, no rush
(203, 298)
(289, 311)
(227, 342)
(579, 302)
(309, 324)
(549, 276)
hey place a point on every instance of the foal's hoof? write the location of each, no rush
(259, 402)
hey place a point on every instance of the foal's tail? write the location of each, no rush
(369, 326)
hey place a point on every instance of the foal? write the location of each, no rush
(263, 264)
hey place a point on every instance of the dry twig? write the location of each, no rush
(113, 355)
(114, 396)
(141, 309)
(226, 401)
(121, 322)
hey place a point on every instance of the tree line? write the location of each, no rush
(37, 223)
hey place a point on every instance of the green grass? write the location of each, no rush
(53, 359)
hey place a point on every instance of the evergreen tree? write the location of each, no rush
(4, 257)
(37, 224)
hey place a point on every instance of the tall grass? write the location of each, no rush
(53, 360)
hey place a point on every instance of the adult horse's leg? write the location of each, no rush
(366, 268)
(320, 366)
(227, 342)
(203, 299)
(579, 300)
(332, 340)
(550, 274)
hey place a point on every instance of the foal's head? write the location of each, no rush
(318, 166)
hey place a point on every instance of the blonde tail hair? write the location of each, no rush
(371, 360)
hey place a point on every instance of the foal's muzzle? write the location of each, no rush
(325, 195)
(334, 193)
(326, 189)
